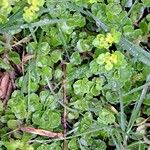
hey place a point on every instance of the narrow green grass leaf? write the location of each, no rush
(136, 89)
(135, 50)
(31, 25)
(109, 128)
(63, 41)
(33, 34)
(124, 20)
(137, 107)
(122, 118)
(115, 142)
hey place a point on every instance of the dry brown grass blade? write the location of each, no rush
(27, 57)
(42, 132)
(4, 85)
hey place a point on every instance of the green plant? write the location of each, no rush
(74, 67)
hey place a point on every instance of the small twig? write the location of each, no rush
(8, 133)
(143, 122)
(29, 92)
(22, 63)
(146, 140)
(27, 57)
(24, 40)
(65, 103)
(42, 132)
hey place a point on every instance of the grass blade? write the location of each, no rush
(135, 51)
(122, 118)
(31, 25)
(137, 107)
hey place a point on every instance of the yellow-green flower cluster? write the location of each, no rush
(110, 60)
(5, 9)
(105, 41)
(30, 13)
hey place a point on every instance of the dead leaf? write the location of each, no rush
(27, 57)
(4, 85)
(42, 132)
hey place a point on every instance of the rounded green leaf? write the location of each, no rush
(76, 58)
(82, 86)
(14, 57)
(50, 119)
(12, 124)
(146, 3)
(56, 56)
(73, 144)
(44, 48)
(106, 117)
(58, 73)
(34, 103)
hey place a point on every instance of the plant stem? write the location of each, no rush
(65, 103)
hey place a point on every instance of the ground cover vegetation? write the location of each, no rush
(75, 74)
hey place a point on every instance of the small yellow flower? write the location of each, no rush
(38, 2)
(34, 8)
(34, 2)
(27, 11)
(113, 58)
(106, 45)
(29, 15)
(5, 4)
(109, 38)
(110, 60)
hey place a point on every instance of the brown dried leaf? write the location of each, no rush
(27, 57)
(42, 132)
(4, 85)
